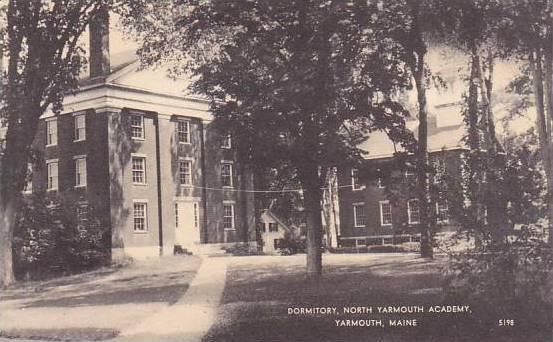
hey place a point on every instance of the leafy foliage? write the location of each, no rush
(54, 238)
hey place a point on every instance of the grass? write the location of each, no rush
(96, 305)
(260, 290)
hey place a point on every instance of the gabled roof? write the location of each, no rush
(279, 221)
(449, 137)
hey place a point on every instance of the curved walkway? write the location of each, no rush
(190, 318)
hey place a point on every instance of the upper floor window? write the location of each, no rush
(228, 216)
(442, 211)
(439, 169)
(413, 211)
(80, 127)
(227, 141)
(385, 213)
(226, 174)
(183, 131)
(51, 132)
(140, 217)
(410, 175)
(137, 126)
(355, 185)
(138, 170)
(273, 227)
(359, 219)
(52, 174)
(185, 172)
(80, 171)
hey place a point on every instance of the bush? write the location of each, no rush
(291, 245)
(386, 249)
(241, 249)
(514, 281)
(51, 241)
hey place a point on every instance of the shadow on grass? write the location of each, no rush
(258, 295)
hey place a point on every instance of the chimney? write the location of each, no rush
(99, 44)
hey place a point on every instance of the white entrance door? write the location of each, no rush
(187, 223)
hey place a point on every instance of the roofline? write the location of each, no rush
(285, 226)
(387, 155)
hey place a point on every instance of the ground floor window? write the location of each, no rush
(385, 213)
(228, 216)
(442, 212)
(140, 217)
(413, 211)
(359, 219)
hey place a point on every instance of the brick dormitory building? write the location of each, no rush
(145, 156)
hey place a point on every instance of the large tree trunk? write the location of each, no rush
(546, 150)
(423, 182)
(312, 200)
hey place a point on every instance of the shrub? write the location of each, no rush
(53, 239)
(513, 280)
(241, 249)
(386, 249)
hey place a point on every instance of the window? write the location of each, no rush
(52, 174)
(196, 216)
(29, 179)
(80, 171)
(185, 172)
(385, 213)
(140, 217)
(183, 132)
(359, 219)
(137, 126)
(410, 175)
(380, 183)
(273, 227)
(413, 211)
(51, 132)
(227, 142)
(263, 227)
(355, 185)
(228, 216)
(442, 211)
(139, 170)
(226, 174)
(80, 127)
(439, 169)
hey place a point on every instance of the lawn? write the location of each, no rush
(95, 305)
(260, 291)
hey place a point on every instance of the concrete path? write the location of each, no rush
(189, 319)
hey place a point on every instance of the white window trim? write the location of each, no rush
(355, 205)
(190, 179)
(75, 116)
(409, 212)
(446, 221)
(48, 121)
(231, 173)
(76, 159)
(353, 188)
(143, 156)
(146, 228)
(380, 203)
(231, 204)
(189, 134)
(141, 115)
(52, 161)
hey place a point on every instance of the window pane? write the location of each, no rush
(185, 172)
(137, 126)
(139, 216)
(226, 174)
(413, 211)
(183, 131)
(386, 213)
(138, 170)
(359, 215)
(228, 216)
